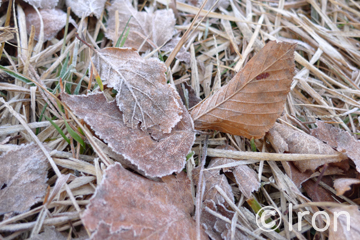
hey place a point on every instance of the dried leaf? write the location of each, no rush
(318, 193)
(54, 20)
(299, 142)
(154, 153)
(49, 233)
(187, 94)
(342, 232)
(216, 228)
(245, 177)
(23, 176)
(155, 29)
(86, 7)
(127, 206)
(339, 139)
(342, 185)
(143, 95)
(211, 179)
(252, 101)
(43, 3)
(300, 177)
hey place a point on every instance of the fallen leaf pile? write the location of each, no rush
(181, 119)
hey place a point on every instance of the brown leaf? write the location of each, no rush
(143, 95)
(318, 193)
(127, 206)
(86, 8)
(300, 177)
(342, 185)
(155, 154)
(251, 102)
(154, 28)
(187, 94)
(339, 139)
(342, 232)
(23, 176)
(299, 142)
(54, 20)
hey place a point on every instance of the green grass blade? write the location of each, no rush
(121, 36)
(58, 129)
(74, 134)
(16, 75)
(40, 118)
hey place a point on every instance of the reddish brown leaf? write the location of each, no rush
(54, 20)
(339, 139)
(86, 8)
(342, 232)
(143, 95)
(251, 102)
(23, 176)
(127, 206)
(154, 153)
(342, 185)
(299, 142)
(155, 29)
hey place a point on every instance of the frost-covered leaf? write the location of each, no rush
(348, 226)
(339, 139)
(23, 176)
(86, 7)
(143, 95)
(128, 206)
(54, 20)
(299, 142)
(156, 28)
(43, 3)
(154, 153)
(49, 233)
(249, 104)
(342, 185)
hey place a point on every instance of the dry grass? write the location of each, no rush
(325, 86)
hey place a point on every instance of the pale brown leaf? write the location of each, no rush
(342, 185)
(86, 7)
(299, 142)
(155, 29)
(211, 179)
(143, 95)
(339, 139)
(23, 176)
(49, 233)
(251, 102)
(54, 20)
(342, 232)
(154, 153)
(245, 177)
(127, 206)
(43, 3)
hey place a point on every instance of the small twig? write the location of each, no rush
(199, 187)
